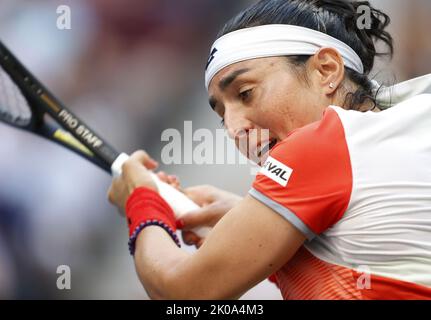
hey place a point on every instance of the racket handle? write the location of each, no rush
(177, 200)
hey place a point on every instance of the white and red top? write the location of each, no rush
(358, 185)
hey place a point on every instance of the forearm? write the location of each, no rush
(248, 244)
(157, 258)
(167, 272)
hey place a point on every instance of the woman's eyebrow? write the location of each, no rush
(227, 81)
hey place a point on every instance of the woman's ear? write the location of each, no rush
(327, 67)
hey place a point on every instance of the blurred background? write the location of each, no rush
(131, 68)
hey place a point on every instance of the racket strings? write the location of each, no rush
(14, 108)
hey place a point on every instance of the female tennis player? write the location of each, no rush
(341, 207)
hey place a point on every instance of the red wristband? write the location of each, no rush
(146, 207)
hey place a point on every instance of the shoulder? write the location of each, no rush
(309, 174)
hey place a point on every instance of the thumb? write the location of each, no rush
(143, 157)
(197, 218)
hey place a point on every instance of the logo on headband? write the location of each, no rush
(211, 57)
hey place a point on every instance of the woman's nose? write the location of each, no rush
(237, 126)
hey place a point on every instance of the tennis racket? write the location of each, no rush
(26, 104)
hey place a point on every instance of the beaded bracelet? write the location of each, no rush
(138, 229)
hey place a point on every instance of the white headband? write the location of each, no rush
(284, 40)
(272, 41)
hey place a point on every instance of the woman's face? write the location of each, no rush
(265, 93)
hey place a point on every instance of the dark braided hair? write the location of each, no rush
(337, 18)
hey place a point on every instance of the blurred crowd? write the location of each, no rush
(131, 68)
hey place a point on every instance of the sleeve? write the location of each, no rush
(307, 178)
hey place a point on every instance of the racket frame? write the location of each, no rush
(81, 140)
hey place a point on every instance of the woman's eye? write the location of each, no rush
(245, 95)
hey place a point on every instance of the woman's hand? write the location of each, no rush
(214, 202)
(134, 174)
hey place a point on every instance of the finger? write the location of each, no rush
(190, 238)
(200, 217)
(176, 185)
(171, 180)
(163, 176)
(142, 157)
(112, 190)
(151, 164)
(201, 195)
(174, 181)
